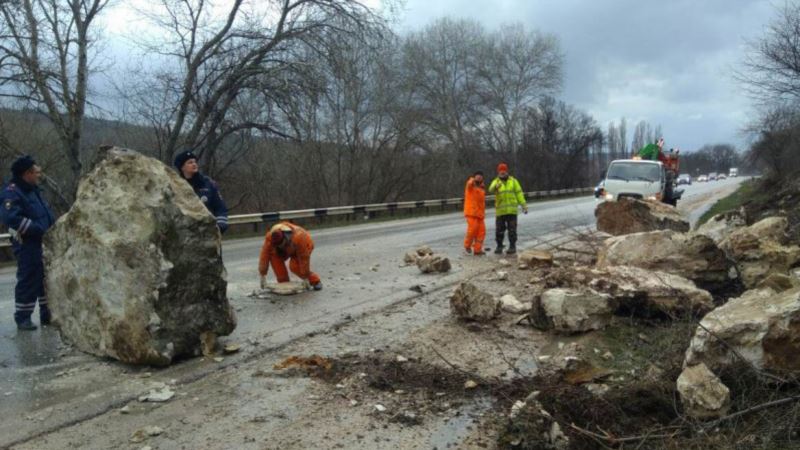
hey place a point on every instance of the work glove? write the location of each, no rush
(306, 285)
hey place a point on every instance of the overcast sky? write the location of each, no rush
(665, 61)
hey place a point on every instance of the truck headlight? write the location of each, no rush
(652, 198)
(609, 196)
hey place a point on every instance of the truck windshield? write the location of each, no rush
(634, 171)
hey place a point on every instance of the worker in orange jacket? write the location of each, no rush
(475, 211)
(283, 241)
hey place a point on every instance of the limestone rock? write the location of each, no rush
(287, 287)
(510, 304)
(762, 326)
(779, 282)
(424, 250)
(470, 303)
(721, 225)
(134, 270)
(627, 216)
(571, 311)
(761, 249)
(636, 290)
(535, 258)
(433, 264)
(703, 395)
(410, 258)
(691, 256)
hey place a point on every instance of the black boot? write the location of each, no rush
(26, 325)
(499, 249)
(512, 249)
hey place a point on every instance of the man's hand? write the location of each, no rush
(524, 209)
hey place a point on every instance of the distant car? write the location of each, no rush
(702, 178)
(712, 176)
(685, 178)
(722, 176)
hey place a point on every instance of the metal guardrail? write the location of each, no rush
(239, 219)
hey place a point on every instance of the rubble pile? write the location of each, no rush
(633, 216)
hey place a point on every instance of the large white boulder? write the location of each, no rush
(134, 270)
(761, 249)
(691, 256)
(574, 311)
(627, 216)
(761, 326)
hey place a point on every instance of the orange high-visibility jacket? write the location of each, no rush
(300, 250)
(474, 200)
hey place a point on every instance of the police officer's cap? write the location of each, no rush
(22, 164)
(182, 157)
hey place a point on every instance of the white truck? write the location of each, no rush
(639, 179)
(733, 172)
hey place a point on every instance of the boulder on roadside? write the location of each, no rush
(635, 290)
(627, 216)
(433, 264)
(721, 225)
(761, 249)
(691, 256)
(761, 326)
(535, 258)
(134, 270)
(572, 311)
(702, 393)
(410, 258)
(468, 302)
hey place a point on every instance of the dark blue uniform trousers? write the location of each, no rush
(30, 282)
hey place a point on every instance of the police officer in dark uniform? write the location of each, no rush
(28, 217)
(204, 187)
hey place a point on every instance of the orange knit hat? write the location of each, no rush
(502, 167)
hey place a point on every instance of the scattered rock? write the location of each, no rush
(125, 409)
(721, 225)
(470, 384)
(703, 395)
(762, 326)
(779, 282)
(401, 359)
(134, 270)
(286, 287)
(516, 408)
(535, 258)
(470, 303)
(142, 434)
(502, 262)
(380, 408)
(159, 393)
(410, 258)
(597, 389)
(232, 348)
(633, 216)
(208, 343)
(761, 249)
(510, 304)
(500, 276)
(424, 251)
(542, 430)
(433, 264)
(691, 256)
(570, 311)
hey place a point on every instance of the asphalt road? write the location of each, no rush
(361, 269)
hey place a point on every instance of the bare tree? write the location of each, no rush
(237, 74)
(46, 48)
(771, 70)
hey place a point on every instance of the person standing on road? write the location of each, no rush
(284, 241)
(475, 212)
(28, 217)
(205, 188)
(508, 199)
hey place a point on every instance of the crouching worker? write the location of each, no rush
(285, 241)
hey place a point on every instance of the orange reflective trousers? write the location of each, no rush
(476, 232)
